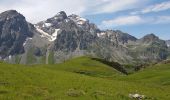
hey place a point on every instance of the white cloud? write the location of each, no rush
(123, 20)
(154, 8)
(37, 10)
(161, 20)
(108, 6)
(134, 20)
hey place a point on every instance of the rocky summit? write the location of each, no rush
(13, 32)
(63, 37)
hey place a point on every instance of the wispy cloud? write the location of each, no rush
(37, 10)
(109, 6)
(123, 20)
(134, 20)
(154, 8)
(161, 20)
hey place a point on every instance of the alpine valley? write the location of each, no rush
(66, 57)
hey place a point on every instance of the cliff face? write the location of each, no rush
(13, 32)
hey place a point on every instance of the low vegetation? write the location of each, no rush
(82, 78)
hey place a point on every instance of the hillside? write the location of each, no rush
(81, 79)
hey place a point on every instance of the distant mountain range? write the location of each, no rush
(62, 37)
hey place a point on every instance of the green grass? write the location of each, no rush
(81, 78)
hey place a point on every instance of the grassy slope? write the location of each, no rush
(81, 79)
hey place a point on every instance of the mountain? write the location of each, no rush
(73, 32)
(77, 36)
(62, 37)
(149, 48)
(14, 30)
(69, 35)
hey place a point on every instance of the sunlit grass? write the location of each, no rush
(81, 78)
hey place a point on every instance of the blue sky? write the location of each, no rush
(157, 22)
(136, 17)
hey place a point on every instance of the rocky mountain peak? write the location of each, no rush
(150, 38)
(10, 14)
(14, 29)
(117, 36)
(61, 22)
(84, 23)
(53, 22)
(61, 15)
(79, 20)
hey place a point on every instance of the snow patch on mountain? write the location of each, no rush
(79, 20)
(10, 57)
(43, 34)
(67, 20)
(47, 24)
(52, 37)
(168, 43)
(101, 34)
(26, 41)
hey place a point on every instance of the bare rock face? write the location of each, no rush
(149, 48)
(149, 38)
(14, 29)
(75, 32)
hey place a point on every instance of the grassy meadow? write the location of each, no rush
(81, 78)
